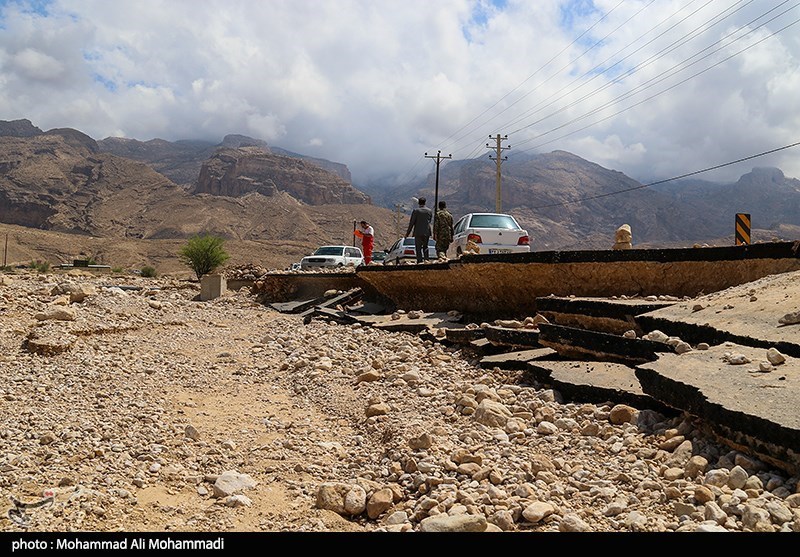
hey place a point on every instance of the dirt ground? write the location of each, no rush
(213, 387)
(21, 246)
(128, 404)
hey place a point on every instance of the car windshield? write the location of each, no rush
(329, 250)
(493, 221)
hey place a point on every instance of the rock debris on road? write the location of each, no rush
(128, 405)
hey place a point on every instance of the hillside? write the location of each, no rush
(270, 206)
(26, 245)
(278, 206)
(566, 202)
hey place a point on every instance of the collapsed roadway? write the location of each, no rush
(712, 332)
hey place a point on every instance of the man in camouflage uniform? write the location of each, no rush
(443, 230)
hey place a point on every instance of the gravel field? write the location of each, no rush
(128, 405)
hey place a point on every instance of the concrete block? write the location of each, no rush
(212, 286)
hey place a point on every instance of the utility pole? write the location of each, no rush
(438, 158)
(397, 208)
(498, 149)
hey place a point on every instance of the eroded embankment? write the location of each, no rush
(508, 285)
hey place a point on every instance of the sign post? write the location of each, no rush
(742, 228)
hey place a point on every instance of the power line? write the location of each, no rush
(576, 59)
(631, 93)
(671, 72)
(582, 199)
(683, 40)
(542, 67)
(479, 144)
(713, 21)
(565, 66)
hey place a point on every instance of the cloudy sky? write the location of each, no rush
(652, 88)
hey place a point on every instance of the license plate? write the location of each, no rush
(493, 251)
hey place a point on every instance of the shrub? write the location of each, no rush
(148, 272)
(203, 254)
(118, 270)
(41, 266)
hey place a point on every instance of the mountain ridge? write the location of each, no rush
(246, 190)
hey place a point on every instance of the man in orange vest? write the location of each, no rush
(367, 235)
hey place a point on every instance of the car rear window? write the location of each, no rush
(492, 221)
(329, 250)
(410, 242)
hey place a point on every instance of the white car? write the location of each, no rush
(333, 256)
(488, 234)
(403, 251)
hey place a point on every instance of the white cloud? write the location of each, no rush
(375, 85)
(36, 65)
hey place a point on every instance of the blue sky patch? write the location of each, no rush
(481, 13)
(575, 12)
(39, 7)
(105, 82)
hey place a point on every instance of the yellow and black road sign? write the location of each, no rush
(742, 228)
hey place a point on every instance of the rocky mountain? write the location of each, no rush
(246, 190)
(237, 172)
(771, 199)
(239, 165)
(181, 161)
(65, 181)
(566, 202)
(18, 128)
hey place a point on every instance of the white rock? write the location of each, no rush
(775, 357)
(231, 482)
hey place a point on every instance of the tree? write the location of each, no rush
(203, 254)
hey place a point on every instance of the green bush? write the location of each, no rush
(118, 270)
(41, 266)
(203, 254)
(148, 272)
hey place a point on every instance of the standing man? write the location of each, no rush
(367, 235)
(443, 230)
(420, 223)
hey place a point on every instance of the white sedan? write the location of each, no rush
(489, 233)
(333, 256)
(403, 251)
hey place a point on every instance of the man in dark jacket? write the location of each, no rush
(420, 224)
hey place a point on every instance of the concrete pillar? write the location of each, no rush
(212, 286)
